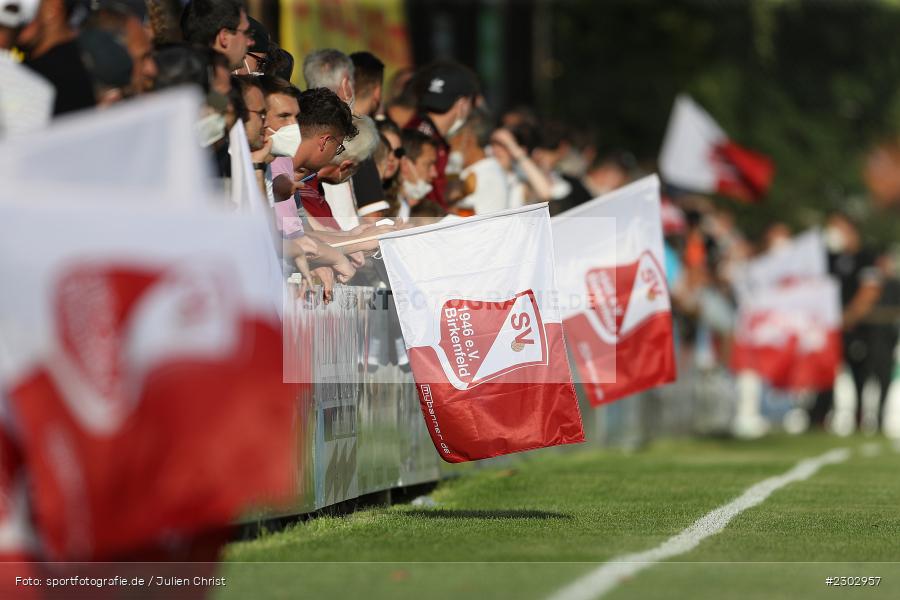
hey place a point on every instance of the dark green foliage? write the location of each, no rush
(812, 84)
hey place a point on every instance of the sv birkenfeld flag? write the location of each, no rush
(615, 302)
(140, 369)
(789, 317)
(476, 301)
(698, 156)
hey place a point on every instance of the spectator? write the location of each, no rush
(882, 330)
(485, 182)
(220, 24)
(282, 110)
(400, 82)
(325, 122)
(356, 151)
(387, 165)
(368, 80)
(125, 20)
(418, 170)
(279, 63)
(334, 70)
(401, 108)
(109, 65)
(553, 145)
(254, 119)
(180, 64)
(446, 93)
(389, 169)
(51, 51)
(256, 58)
(164, 18)
(26, 99)
(526, 180)
(861, 286)
(608, 172)
(331, 69)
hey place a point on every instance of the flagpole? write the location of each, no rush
(354, 241)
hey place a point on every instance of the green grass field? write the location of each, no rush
(527, 531)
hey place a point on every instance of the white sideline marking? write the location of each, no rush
(608, 575)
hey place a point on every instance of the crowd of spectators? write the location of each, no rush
(350, 157)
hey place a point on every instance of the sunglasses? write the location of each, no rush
(399, 152)
(261, 60)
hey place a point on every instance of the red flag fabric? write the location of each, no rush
(617, 314)
(791, 336)
(475, 299)
(697, 155)
(142, 376)
(789, 317)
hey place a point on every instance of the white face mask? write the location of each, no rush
(286, 140)
(416, 191)
(835, 240)
(455, 163)
(456, 126)
(210, 129)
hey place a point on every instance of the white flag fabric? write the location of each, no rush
(790, 334)
(697, 155)
(136, 333)
(128, 354)
(246, 196)
(477, 307)
(145, 150)
(26, 98)
(803, 257)
(788, 329)
(616, 308)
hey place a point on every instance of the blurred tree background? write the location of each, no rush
(811, 83)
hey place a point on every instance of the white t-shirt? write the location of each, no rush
(492, 191)
(26, 98)
(343, 205)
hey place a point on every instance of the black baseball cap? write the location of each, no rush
(260, 36)
(441, 84)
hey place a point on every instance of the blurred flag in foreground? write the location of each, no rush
(789, 317)
(698, 156)
(141, 392)
(142, 371)
(616, 309)
(476, 301)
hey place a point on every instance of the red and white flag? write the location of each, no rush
(791, 335)
(698, 156)
(803, 257)
(615, 301)
(141, 367)
(476, 301)
(140, 352)
(789, 317)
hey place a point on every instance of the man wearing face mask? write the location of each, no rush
(861, 286)
(418, 168)
(446, 92)
(282, 110)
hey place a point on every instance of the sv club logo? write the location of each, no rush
(482, 340)
(623, 297)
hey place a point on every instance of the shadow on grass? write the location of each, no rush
(446, 513)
